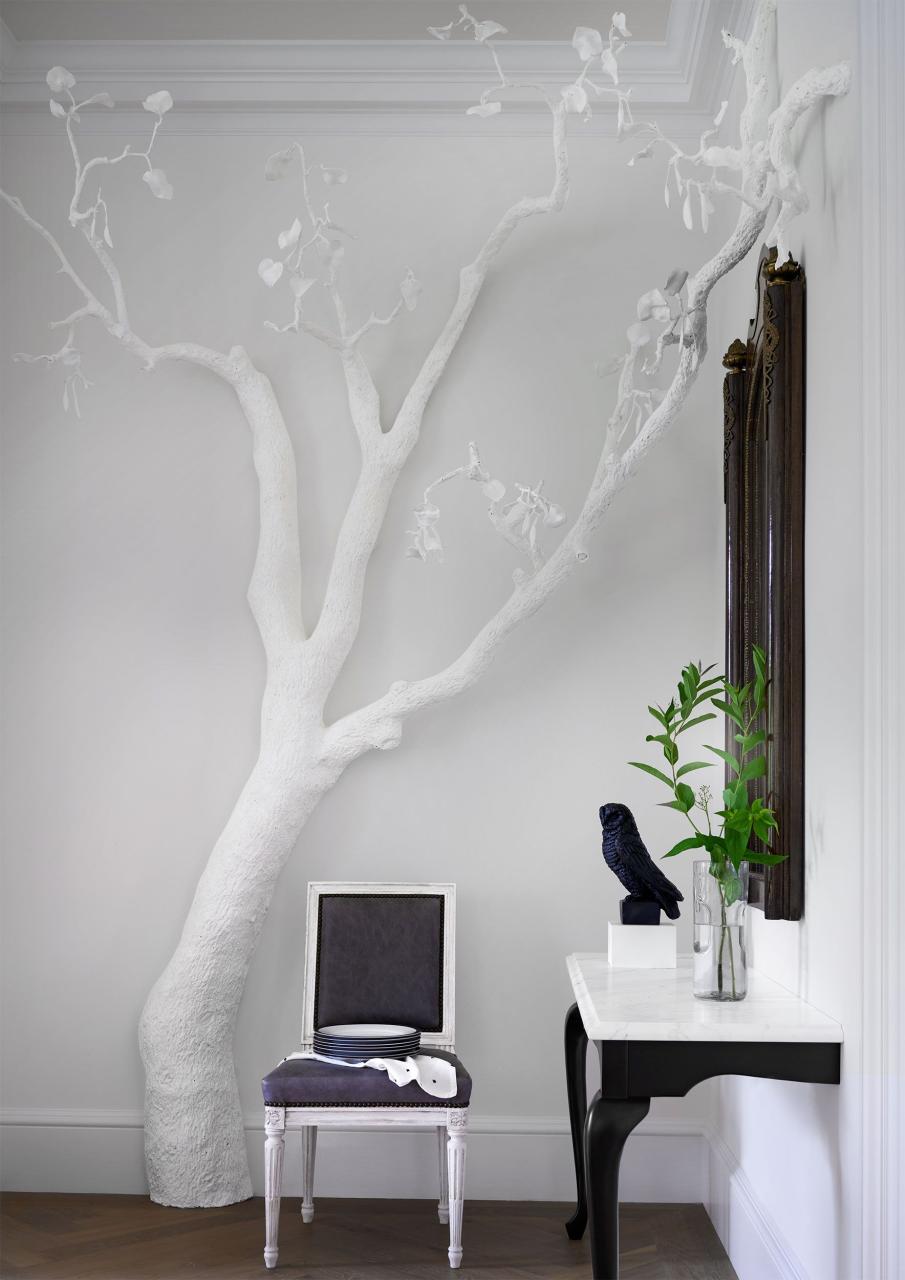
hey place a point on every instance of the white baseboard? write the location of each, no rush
(756, 1248)
(509, 1158)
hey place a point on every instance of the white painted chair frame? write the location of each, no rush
(449, 1123)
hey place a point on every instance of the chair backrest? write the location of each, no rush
(381, 953)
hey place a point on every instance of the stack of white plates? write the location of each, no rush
(356, 1041)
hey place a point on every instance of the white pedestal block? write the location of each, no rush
(642, 946)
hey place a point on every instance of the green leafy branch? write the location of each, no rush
(743, 818)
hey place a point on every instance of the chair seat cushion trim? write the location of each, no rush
(307, 1082)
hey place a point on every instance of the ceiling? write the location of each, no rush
(156, 20)
(365, 65)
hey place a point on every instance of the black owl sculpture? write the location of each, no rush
(625, 854)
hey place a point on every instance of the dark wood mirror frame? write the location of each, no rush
(764, 465)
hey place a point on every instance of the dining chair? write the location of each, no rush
(374, 953)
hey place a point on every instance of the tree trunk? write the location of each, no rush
(194, 1135)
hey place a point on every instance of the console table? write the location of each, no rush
(655, 1039)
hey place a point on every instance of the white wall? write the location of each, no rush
(786, 1167)
(133, 671)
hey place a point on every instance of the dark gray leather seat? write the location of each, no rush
(306, 1082)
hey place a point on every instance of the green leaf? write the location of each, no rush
(711, 683)
(672, 804)
(740, 796)
(670, 751)
(748, 741)
(729, 711)
(762, 823)
(724, 755)
(730, 883)
(767, 859)
(695, 764)
(754, 769)
(659, 716)
(736, 842)
(691, 842)
(685, 796)
(654, 773)
(690, 724)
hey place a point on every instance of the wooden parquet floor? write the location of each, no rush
(68, 1237)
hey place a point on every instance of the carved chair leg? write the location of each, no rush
(309, 1150)
(456, 1125)
(443, 1203)
(275, 1141)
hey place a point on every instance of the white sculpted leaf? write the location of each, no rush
(554, 516)
(486, 30)
(59, 79)
(157, 181)
(676, 280)
(687, 217)
(619, 24)
(721, 158)
(587, 43)
(653, 306)
(104, 100)
(57, 109)
(276, 166)
(333, 177)
(494, 490)
(485, 109)
(644, 154)
(270, 271)
(289, 239)
(718, 118)
(637, 335)
(575, 98)
(159, 103)
(707, 208)
(410, 289)
(610, 65)
(441, 33)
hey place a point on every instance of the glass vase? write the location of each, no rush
(720, 904)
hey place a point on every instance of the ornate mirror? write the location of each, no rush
(764, 465)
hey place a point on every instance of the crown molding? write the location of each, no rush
(365, 86)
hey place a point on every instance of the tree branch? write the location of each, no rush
(471, 282)
(275, 590)
(380, 724)
(383, 458)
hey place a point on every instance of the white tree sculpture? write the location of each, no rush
(195, 1144)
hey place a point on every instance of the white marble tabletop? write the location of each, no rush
(658, 1004)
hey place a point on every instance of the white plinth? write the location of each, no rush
(642, 946)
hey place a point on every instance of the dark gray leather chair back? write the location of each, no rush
(379, 957)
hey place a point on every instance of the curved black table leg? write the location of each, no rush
(609, 1122)
(576, 1044)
